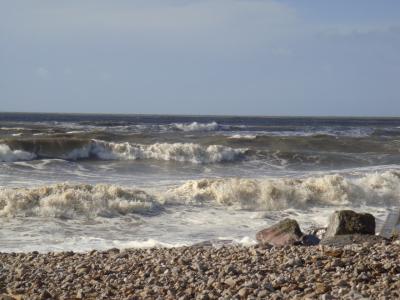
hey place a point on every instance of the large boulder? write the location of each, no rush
(349, 222)
(286, 232)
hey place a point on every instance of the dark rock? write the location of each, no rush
(310, 240)
(45, 295)
(286, 232)
(349, 222)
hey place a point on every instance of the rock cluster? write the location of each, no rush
(229, 272)
(344, 226)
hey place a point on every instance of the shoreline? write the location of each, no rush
(368, 269)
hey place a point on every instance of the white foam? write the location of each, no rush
(70, 201)
(149, 243)
(181, 152)
(195, 126)
(8, 155)
(282, 193)
(269, 194)
(244, 136)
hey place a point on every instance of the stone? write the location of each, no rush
(310, 240)
(321, 288)
(45, 295)
(334, 252)
(349, 222)
(6, 297)
(286, 232)
(262, 294)
(230, 282)
(326, 297)
(244, 292)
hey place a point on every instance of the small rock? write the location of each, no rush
(230, 282)
(326, 297)
(45, 295)
(321, 288)
(244, 292)
(262, 294)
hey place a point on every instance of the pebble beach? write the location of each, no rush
(355, 271)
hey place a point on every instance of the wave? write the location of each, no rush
(185, 127)
(106, 200)
(74, 149)
(69, 201)
(318, 143)
(8, 155)
(282, 193)
(189, 127)
(195, 126)
(181, 152)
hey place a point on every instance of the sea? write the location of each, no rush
(96, 181)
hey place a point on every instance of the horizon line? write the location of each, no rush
(203, 115)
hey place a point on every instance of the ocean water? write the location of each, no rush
(81, 182)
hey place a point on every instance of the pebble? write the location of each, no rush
(204, 272)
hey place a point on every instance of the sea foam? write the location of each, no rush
(181, 152)
(107, 200)
(72, 200)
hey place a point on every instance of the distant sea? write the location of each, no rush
(81, 182)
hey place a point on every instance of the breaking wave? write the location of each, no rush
(282, 193)
(68, 200)
(71, 149)
(182, 152)
(195, 126)
(8, 155)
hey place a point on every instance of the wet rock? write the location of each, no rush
(349, 222)
(310, 240)
(286, 232)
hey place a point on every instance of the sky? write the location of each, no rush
(224, 57)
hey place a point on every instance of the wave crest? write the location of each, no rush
(195, 126)
(181, 152)
(282, 193)
(8, 155)
(68, 201)
(82, 149)
(72, 200)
